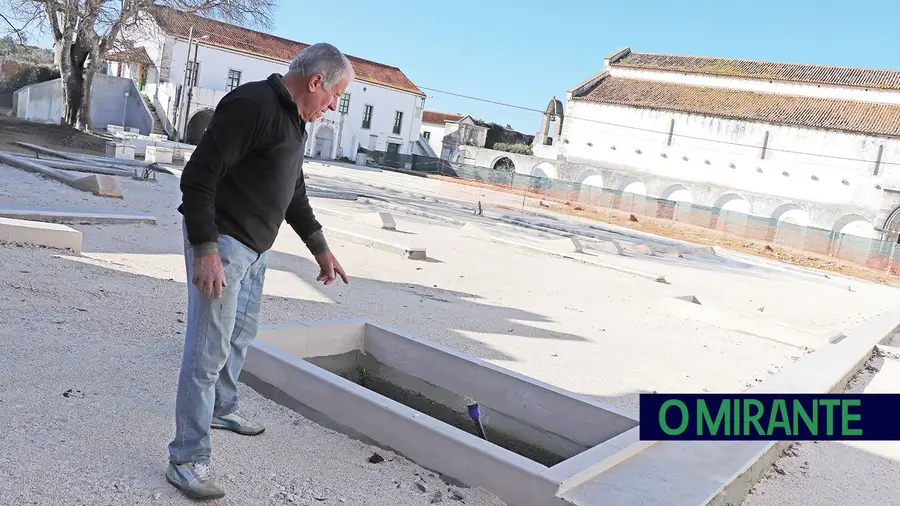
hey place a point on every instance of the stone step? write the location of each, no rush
(157, 123)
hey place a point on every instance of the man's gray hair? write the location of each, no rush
(325, 59)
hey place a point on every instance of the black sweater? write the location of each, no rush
(246, 176)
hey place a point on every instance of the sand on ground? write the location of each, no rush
(92, 342)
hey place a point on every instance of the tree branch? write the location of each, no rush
(17, 31)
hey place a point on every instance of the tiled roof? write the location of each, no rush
(132, 55)
(846, 115)
(438, 118)
(886, 79)
(244, 40)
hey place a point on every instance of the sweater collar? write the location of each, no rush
(275, 80)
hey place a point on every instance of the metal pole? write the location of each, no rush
(194, 68)
(340, 151)
(125, 110)
(184, 77)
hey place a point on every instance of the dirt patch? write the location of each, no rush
(695, 234)
(14, 130)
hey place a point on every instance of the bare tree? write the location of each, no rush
(84, 31)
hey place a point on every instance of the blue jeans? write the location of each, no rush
(215, 345)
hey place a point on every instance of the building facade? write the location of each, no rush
(194, 61)
(434, 128)
(806, 135)
(445, 132)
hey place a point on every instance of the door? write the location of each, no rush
(373, 141)
(393, 155)
(323, 148)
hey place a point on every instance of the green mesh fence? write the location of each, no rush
(870, 252)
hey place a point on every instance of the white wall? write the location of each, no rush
(42, 102)
(385, 102)
(740, 143)
(216, 62)
(437, 133)
(544, 151)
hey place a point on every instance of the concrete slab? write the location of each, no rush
(82, 167)
(413, 252)
(722, 473)
(887, 379)
(158, 154)
(82, 216)
(119, 150)
(282, 364)
(99, 184)
(378, 219)
(102, 161)
(50, 235)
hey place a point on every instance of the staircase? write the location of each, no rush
(157, 123)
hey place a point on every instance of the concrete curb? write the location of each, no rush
(102, 185)
(49, 235)
(654, 277)
(85, 216)
(411, 252)
(281, 365)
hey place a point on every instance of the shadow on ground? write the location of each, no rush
(442, 315)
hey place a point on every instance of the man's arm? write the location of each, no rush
(232, 132)
(301, 218)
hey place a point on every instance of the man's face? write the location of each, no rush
(319, 100)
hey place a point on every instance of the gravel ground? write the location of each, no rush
(92, 344)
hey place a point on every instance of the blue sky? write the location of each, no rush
(525, 52)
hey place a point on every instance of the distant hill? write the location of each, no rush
(12, 49)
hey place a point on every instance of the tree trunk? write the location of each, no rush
(83, 118)
(76, 77)
(72, 92)
(69, 83)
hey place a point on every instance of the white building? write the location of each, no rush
(381, 110)
(818, 135)
(444, 132)
(434, 128)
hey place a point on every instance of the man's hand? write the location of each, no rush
(209, 275)
(328, 266)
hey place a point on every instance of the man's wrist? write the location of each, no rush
(206, 249)
(316, 243)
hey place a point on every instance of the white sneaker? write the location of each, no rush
(236, 422)
(196, 479)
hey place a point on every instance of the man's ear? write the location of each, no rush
(315, 82)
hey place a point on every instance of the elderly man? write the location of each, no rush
(244, 179)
